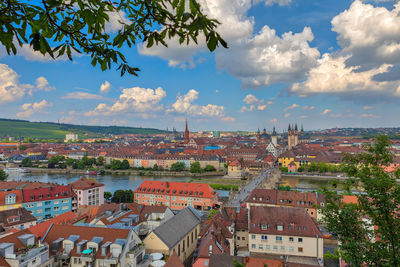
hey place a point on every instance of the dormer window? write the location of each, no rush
(264, 227)
(11, 198)
(260, 199)
(279, 227)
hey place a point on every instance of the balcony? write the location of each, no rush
(32, 253)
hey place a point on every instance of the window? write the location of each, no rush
(283, 248)
(253, 236)
(291, 249)
(264, 237)
(65, 207)
(56, 202)
(243, 238)
(267, 247)
(278, 239)
(253, 245)
(300, 240)
(260, 246)
(300, 249)
(39, 211)
(279, 228)
(238, 238)
(183, 246)
(56, 208)
(11, 198)
(291, 239)
(275, 248)
(205, 262)
(65, 201)
(263, 227)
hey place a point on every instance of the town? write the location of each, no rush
(259, 220)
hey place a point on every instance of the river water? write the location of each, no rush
(111, 182)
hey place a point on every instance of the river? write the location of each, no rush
(111, 182)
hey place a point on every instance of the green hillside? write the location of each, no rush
(48, 130)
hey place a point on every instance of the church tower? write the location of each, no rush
(293, 136)
(186, 136)
(274, 137)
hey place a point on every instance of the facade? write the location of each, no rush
(48, 202)
(88, 192)
(21, 249)
(178, 235)
(176, 195)
(277, 198)
(284, 232)
(293, 136)
(236, 219)
(10, 199)
(18, 218)
(79, 246)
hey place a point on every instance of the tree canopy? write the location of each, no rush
(59, 27)
(368, 229)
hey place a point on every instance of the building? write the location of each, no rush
(71, 137)
(78, 246)
(88, 192)
(293, 136)
(47, 202)
(176, 195)
(22, 249)
(274, 138)
(277, 198)
(18, 219)
(284, 232)
(186, 136)
(10, 199)
(178, 235)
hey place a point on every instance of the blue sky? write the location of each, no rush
(318, 63)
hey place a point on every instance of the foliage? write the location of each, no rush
(283, 169)
(26, 162)
(235, 263)
(212, 213)
(224, 187)
(125, 165)
(368, 230)
(195, 167)
(178, 167)
(284, 188)
(107, 195)
(210, 168)
(57, 162)
(57, 27)
(100, 161)
(3, 175)
(122, 196)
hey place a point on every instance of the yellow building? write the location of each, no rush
(10, 199)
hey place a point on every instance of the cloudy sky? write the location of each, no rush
(320, 63)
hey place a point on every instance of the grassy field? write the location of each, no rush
(46, 130)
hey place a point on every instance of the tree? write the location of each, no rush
(107, 195)
(125, 165)
(368, 230)
(26, 162)
(3, 175)
(115, 164)
(195, 167)
(212, 213)
(59, 27)
(100, 161)
(210, 168)
(122, 196)
(178, 166)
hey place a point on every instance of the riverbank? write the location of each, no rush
(127, 172)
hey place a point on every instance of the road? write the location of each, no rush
(242, 195)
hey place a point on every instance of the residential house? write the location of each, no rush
(284, 231)
(18, 218)
(10, 199)
(178, 235)
(88, 192)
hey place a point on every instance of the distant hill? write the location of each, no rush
(52, 130)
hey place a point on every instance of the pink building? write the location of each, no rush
(176, 195)
(88, 192)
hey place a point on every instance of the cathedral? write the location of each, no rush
(293, 136)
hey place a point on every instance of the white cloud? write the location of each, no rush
(369, 115)
(287, 115)
(261, 107)
(254, 103)
(371, 35)
(326, 111)
(43, 84)
(184, 104)
(228, 119)
(250, 99)
(250, 108)
(273, 2)
(274, 120)
(368, 107)
(291, 107)
(308, 107)
(10, 87)
(28, 109)
(116, 21)
(105, 87)
(82, 96)
(135, 99)
(303, 117)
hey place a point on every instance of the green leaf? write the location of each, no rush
(212, 42)
(150, 41)
(180, 9)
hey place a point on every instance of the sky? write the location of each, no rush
(323, 64)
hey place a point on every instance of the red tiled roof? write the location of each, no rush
(46, 193)
(174, 261)
(176, 188)
(5, 193)
(85, 183)
(40, 229)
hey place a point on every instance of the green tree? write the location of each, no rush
(115, 164)
(58, 27)
(122, 196)
(210, 168)
(107, 195)
(125, 165)
(26, 162)
(369, 230)
(100, 161)
(195, 167)
(211, 213)
(3, 175)
(178, 166)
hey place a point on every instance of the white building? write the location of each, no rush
(71, 137)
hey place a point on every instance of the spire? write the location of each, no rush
(258, 131)
(273, 131)
(186, 129)
(289, 127)
(295, 127)
(186, 135)
(302, 129)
